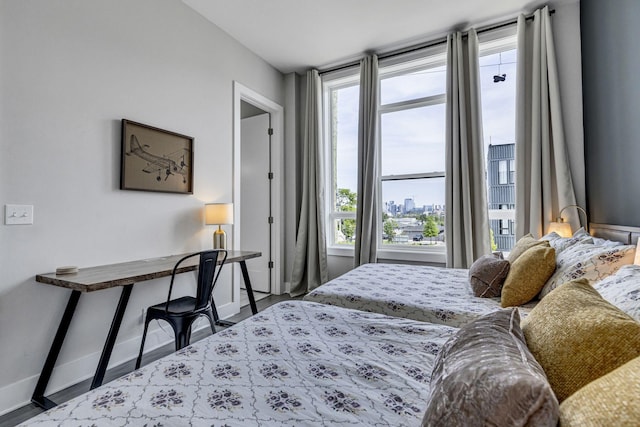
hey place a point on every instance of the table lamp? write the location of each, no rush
(219, 214)
(564, 228)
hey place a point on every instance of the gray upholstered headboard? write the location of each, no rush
(620, 233)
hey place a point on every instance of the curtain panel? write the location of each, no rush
(310, 259)
(367, 209)
(467, 219)
(543, 176)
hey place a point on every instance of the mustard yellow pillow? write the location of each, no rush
(578, 337)
(526, 242)
(611, 400)
(527, 275)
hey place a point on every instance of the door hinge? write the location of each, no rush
(270, 264)
(270, 219)
(270, 131)
(270, 175)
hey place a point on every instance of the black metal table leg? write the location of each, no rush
(247, 284)
(38, 394)
(252, 300)
(111, 337)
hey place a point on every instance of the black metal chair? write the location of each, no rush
(181, 312)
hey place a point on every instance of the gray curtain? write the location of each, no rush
(467, 218)
(543, 176)
(310, 259)
(367, 212)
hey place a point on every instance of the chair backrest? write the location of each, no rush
(209, 268)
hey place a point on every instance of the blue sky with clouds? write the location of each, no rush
(413, 140)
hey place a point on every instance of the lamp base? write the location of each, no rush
(219, 239)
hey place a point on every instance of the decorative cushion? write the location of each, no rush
(527, 275)
(611, 400)
(523, 244)
(591, 262)
(485, 375)
(561, 243)
(578, 337)
(487, 275)
(622, 289)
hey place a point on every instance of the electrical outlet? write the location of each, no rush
(18, 214)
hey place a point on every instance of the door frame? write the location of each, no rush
(243, 93)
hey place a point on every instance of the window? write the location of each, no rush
(512, 171)
(412, 154)
(502, 172)
(411, 181)
(341, 107)
(498, 58)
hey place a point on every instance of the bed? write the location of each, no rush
(308, 363)
(295, 363)
(429, 294)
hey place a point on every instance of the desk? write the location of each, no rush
(109, 276)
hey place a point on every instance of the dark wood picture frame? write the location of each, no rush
(155, 159)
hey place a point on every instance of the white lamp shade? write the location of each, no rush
(562, 228)
(218, 213)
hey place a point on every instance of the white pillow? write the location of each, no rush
(622, 289)
(591, 262)
(560, 243)
(604, 242)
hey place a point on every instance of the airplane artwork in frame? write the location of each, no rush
(155, 159)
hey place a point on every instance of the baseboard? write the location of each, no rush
(18, 394)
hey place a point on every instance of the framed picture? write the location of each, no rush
(155, 159)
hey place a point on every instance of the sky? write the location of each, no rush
(413, 140)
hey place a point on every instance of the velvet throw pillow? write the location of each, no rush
(525, 243)
(611, 400)
(485, 375)
(527, 275)
(578, 337)
(487, 275)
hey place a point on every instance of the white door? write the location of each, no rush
(255, 230)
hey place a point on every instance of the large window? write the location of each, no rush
(498, 77)
(412, 154)
(341, 129)
(411, 184)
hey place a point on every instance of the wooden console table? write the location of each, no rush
(109, 276)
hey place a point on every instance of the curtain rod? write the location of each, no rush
(427, 44)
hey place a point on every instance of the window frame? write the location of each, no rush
(431, 59)
(345, 79)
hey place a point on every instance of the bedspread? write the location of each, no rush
(429, 294)
(294, 364)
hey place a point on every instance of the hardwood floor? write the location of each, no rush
(28, 411)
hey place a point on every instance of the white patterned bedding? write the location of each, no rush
(294, 364)
(429, 294)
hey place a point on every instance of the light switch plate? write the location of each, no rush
(18, 214)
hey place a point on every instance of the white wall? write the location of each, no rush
(70, 70)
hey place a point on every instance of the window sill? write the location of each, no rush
(433, 256)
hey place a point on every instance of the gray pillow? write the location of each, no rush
(485, 375)
(487, 275)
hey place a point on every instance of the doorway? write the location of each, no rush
(258, 191)
(256, 195)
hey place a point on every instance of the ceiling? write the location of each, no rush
(294, 35)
